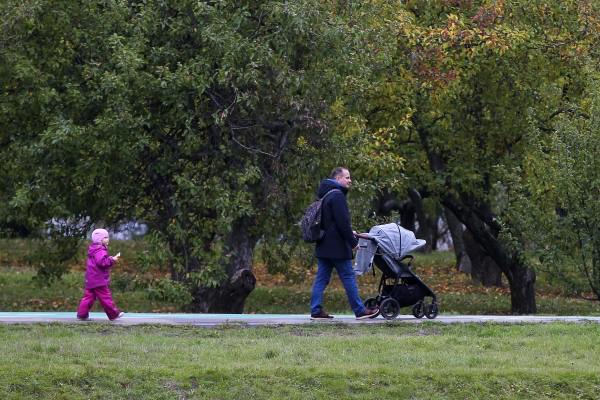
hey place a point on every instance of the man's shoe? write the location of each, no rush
(368, 313)
(83, 318)
(321, 315)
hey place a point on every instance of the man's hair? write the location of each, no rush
(337, 171)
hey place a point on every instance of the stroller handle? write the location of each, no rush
(364, 236)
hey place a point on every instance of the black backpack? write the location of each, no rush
(311, 220)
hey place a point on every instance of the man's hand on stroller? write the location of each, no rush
(360, 236)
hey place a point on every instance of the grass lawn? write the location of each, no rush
(316, 361)
(319, 361)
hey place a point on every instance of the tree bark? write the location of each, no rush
(463, 262)
(522, 289)
(427, 229)
(407, 215)
(484, 269)
(385, 203)
(231, 295)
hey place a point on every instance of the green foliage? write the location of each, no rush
(287, 256)
(213, 121)
(189, 116)
(566, 183)
(478, 68)
(463, 77)
(169, 291)
(153, 257)
(53, 252)
(50, 258)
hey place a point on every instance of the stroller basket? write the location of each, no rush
(406, 295)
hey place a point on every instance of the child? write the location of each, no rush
(97, 278)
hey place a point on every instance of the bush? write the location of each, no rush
(50, 257)
(169, 291)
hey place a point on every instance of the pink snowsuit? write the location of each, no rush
(97, 279)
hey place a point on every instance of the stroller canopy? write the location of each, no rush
(393, 241)
(392, 238)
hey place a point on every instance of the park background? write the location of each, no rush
(211, 123)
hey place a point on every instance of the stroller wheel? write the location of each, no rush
(371, 302)
(431, 311)
(418, 309)
(389, 308)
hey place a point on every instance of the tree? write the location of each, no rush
(565, 187)
(195, 117)
(464, 76)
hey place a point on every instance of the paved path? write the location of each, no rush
(266, 319)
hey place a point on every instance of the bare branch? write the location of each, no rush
(250, 149)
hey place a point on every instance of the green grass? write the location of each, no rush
(319, 361)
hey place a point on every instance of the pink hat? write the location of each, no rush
(98, 235)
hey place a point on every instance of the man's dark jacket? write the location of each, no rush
(339, 240)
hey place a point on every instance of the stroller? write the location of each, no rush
(387, 246)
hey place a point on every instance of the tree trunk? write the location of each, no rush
(522, 290)
(231, 296)
(463, 262)
(427, 228)
(407, 215)
(482, 225)
(484, 269)
(385, 203)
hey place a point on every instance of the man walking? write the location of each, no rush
(334, 250)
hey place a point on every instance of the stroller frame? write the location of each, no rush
(401, 289)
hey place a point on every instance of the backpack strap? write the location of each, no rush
(330, 191)
(326, 194)
(323, 199)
